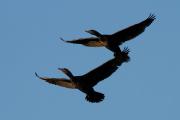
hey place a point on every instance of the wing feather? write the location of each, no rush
(100, 73)
(132, 31)
(57, 81)
(90, 42)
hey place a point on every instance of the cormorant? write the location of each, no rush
(113, 41)
(86, 82)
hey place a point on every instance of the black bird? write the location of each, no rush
(86, 82)
(113, 41)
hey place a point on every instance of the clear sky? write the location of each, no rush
(146, 88)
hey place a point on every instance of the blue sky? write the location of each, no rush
(146, 88)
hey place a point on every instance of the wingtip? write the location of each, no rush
(62, 39)
(152, 16)
(38, 76)
(42, 78)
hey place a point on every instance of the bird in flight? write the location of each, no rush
(112, 41)
(86, 82)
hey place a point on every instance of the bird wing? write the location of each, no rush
(90, 42)
(58, 81)
(100, 73)
(132, 31)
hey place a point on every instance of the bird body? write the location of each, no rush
(86, 82)
(112, 41)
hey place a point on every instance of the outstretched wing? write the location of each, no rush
(103, 71)
(90, 42)
(57, 81)
(132, 31)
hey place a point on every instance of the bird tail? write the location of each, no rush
(122, 56)
(95, 97)
(125, 57)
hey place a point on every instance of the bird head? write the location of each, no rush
(94, 32)
(67, 72)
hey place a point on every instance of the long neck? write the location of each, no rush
(94, 32)
(69, 74)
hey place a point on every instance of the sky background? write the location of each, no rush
(146, 88)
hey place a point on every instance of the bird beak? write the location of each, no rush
(88, 31)
(64, 70)
(61, 69)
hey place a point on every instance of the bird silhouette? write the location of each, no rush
(86, 82)
(113, 41)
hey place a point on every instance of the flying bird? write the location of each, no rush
(86, 82)
(112, 41)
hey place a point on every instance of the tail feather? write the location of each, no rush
(95, 97)
(122, 56)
